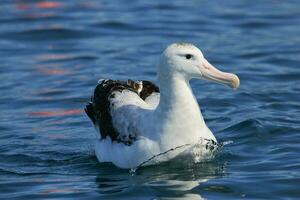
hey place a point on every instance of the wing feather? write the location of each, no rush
(115, 107)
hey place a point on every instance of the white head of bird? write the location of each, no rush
(186, 61)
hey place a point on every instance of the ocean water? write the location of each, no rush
(53, 53)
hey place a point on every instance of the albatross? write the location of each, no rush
(138, 120)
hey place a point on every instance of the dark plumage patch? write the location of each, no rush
(148, 89)
(98, 110)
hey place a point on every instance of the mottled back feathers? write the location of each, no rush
(98, 110)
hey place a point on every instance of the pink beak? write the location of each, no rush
(211, 73)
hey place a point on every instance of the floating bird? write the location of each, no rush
(138, 120)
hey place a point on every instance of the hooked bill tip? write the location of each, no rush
(235, 82)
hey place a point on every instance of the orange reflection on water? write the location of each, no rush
(41, 5)
(53, 71)
(48, 4)
(56, 113)
(50, 69)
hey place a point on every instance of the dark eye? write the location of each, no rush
(188, 56)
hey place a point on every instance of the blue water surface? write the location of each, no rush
(52, 54)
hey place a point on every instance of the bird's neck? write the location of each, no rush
(176, 94)
(178, 108)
